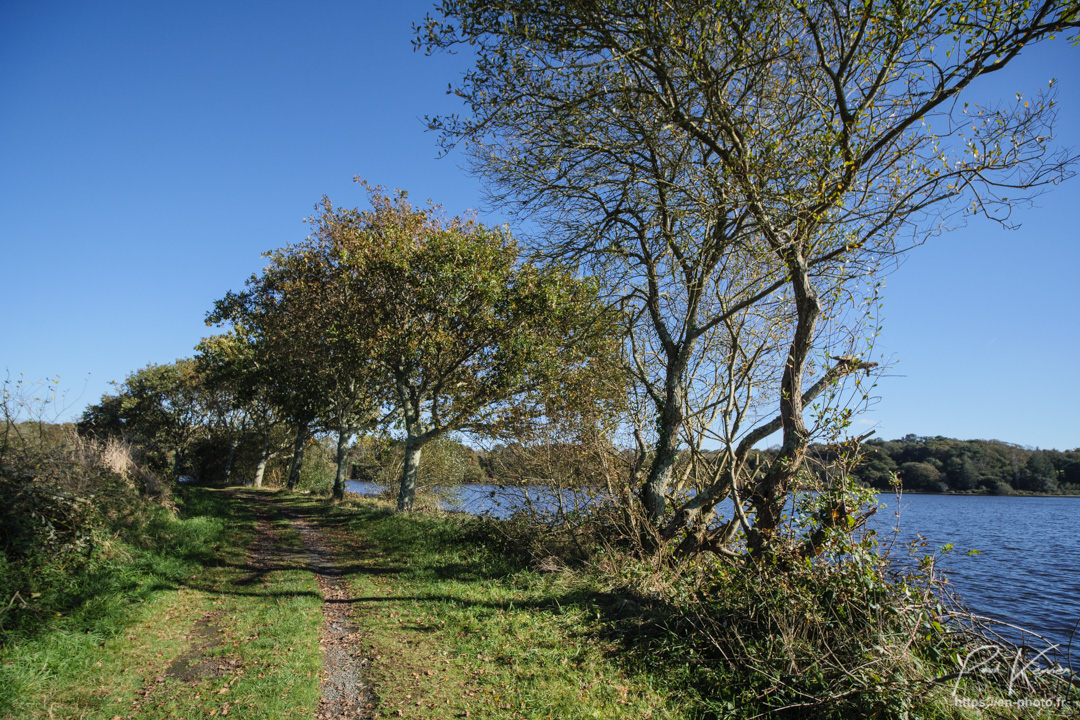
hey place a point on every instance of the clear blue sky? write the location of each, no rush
(149, 153)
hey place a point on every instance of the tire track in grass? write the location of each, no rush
(345, 690)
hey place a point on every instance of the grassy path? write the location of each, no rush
(269, 605)
(455, 627)
(203, 627)
(345, 690)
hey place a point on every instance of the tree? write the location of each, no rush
(962, 474)
(467, 336)
(238, 394)
(301, 313)
(921, 476)
(163, 408)
(221, 365)
(878, 469)
(739, 174)
(273, 316)
(1038, 474)
(1071, 474)
(350, 382)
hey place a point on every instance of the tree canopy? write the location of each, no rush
(160, 407)
(440, 322)
(467, 335)
(739, 175)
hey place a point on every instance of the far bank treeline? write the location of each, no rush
(939, 464)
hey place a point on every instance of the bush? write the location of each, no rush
(317, 472)
(445, 464)
(65, 504)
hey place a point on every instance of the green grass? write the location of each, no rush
(126, 651)
(451, 621)
(460, 629)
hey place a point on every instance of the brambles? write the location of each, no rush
(66, 503)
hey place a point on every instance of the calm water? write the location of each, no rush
(1027, 572)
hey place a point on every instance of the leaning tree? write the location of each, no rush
(272, 315)
(740, 174)
(302, 320)
(239, 394)
(466, 334)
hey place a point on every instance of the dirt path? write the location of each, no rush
(345, 692)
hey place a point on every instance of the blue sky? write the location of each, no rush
(150, 152)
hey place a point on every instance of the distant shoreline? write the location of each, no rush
(982, 494)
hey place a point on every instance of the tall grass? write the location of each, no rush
(843, 635)
(78, 517)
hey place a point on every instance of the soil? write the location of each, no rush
(194, 664)
(345, 691)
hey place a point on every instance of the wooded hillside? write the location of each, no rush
(939, 464)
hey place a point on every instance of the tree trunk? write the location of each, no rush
(177, 463)
(667, 443)
(344, 433)
(409, 473)
(229, 459)
(769, 495)
(260, 469)
(298, 456)
(415, 439)
(653, 497)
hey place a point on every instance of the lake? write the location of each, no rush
(1026, 574)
